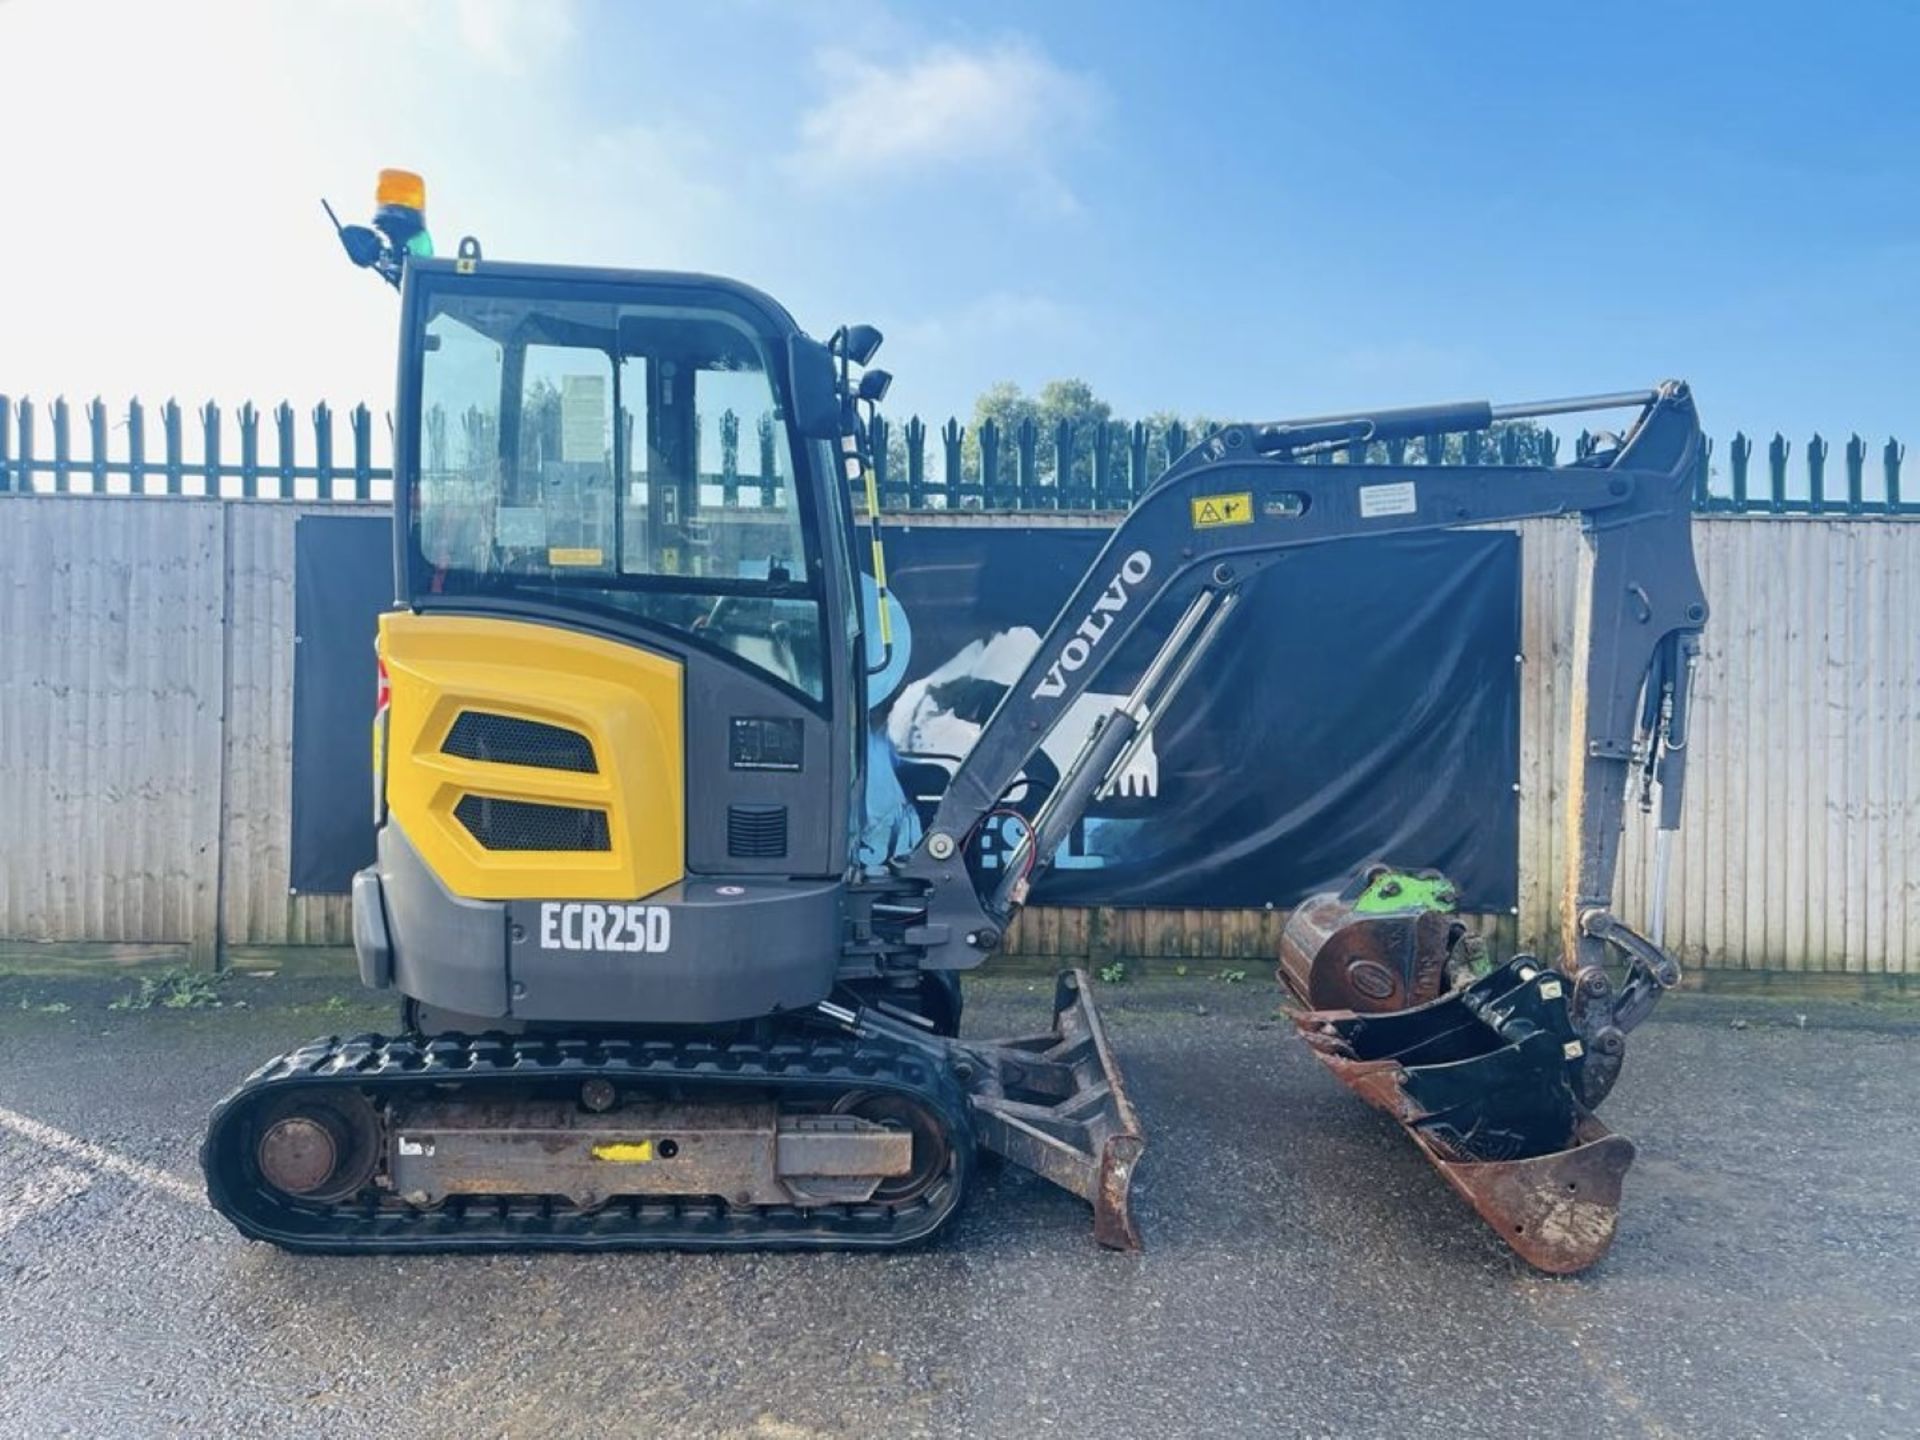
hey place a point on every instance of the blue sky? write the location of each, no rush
(1242, 209)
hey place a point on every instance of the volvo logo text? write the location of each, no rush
(1079, 647)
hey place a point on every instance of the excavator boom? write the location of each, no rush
(1505, 1070)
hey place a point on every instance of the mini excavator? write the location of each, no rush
(649, 995)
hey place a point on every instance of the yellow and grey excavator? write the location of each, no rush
(650, 997)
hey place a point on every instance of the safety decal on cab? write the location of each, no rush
(1212, 510)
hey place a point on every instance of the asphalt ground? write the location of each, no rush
(1306, 1272)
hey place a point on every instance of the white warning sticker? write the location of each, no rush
(1377, 501)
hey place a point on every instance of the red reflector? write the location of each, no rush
(382, 691)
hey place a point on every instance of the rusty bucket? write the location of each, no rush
(1485, 1082)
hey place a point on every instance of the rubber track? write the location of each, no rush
(816, 1067)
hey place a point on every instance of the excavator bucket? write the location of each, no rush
(1056, 1104)
(1483, 1080)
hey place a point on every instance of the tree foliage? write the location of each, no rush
(1070, 399)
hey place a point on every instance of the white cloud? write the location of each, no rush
(998, 316)
(512, 36)
(1006, 105)
(508, 37)
(1396, 362)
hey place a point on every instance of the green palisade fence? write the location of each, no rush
(1099, 467)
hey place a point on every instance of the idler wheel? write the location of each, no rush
(931, 1152)
(318, 1145)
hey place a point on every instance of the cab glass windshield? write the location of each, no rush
(629, 461)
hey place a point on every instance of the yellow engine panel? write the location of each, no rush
(624, 700)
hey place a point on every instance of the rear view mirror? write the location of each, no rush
(862, 342)
(816, 391)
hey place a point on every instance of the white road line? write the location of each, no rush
(101, 1158)
(25, 1198)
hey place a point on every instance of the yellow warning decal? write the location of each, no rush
(624, 1152)
(557, 555)
(1211, 510)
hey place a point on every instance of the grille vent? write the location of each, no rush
(509, 740)
(523, 825)
(757, 832)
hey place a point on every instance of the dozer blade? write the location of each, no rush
(1056, 1104)
(1484, 1081)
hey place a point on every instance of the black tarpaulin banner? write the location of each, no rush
(342, 580)
(1362, 704)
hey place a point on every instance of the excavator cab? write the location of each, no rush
(624, 669)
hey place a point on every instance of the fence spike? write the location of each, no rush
(27, 459)
(1816, 474)
(916, 437)
(362, 423)
(172, 428)
(1176, 441)
(1026, 449)
(952, 475)
(729, 458)
(1066, 484)
(283, 434)
(1891, 458)
(1856, 460)
(1738, 454)
(97, 443)
(1104, 436)
(323, 451)
(210, 446)
(1139, 456)
(1777, 450)
(6, 444)
(136, 448)
(249, 451)
(877, 437)
(989, 435)
(62, 445)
